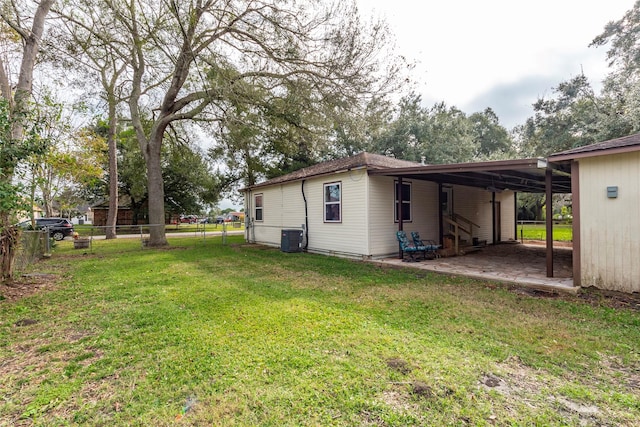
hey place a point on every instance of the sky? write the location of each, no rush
(503, 54)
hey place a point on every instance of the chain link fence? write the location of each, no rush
(92, 238)
(37, 244)
(32, 246)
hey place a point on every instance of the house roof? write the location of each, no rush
(366, 160)
(124, 202)
(621, 145)
(521, 175)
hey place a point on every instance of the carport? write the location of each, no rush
(535, 175)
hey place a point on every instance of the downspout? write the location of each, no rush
(306, 218)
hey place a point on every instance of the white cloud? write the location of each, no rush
(467, 48)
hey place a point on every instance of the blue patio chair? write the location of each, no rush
(431, 247)
(408, 248)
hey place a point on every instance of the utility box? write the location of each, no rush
(291, 241)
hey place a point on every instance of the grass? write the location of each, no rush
(561, 232)
(206, 334)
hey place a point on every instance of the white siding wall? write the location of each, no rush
(610, 228)
(424, 213)
(508, 215)
(475, 205)
(349, 237)
(284, 208)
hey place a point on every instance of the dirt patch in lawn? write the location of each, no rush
(593, 296)
(598, 297)
(26, 285)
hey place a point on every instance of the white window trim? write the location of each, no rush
(255, 207)
(325, 203)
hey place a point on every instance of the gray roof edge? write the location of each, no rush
(361, 160)
(623, 144)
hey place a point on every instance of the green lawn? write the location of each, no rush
(235, 335)
(561, 232)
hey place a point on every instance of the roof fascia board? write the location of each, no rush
(594, 153)
(317, 175)
(498, 165)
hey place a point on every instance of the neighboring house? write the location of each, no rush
(350, 207)
(606, 213)
(25, 216)
(125, 213)
(234, 217)
(84, 215)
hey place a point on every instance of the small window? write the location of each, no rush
(332, 202)
(258, 207)
(406, 202)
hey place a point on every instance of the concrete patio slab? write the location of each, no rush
(521, 264)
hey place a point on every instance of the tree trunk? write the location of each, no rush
(112, 216)
(8, 246)
(31, 39)
(155, 188)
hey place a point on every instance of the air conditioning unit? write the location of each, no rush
(291, 241)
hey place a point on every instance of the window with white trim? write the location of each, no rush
(333, 202)
(406, 201)
(257, 207)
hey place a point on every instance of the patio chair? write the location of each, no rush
(431, 247)
(409, 248)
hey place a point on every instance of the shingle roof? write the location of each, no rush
(367, 160)
(623, 144)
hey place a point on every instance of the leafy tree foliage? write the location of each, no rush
(11, 153)
(174, 51)
(72, 158)
(490, 138)
(189, 182)
(567, 121)
(441, 134)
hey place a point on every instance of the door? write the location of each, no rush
(497, 223)
(447, 201)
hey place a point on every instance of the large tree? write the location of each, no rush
(15, 90)
(437, 134)
(96, 62)
(621, 91)
(189, 183)
(491, 139)
(173, 50)
(571, 118)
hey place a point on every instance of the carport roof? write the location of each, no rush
(521, 175)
